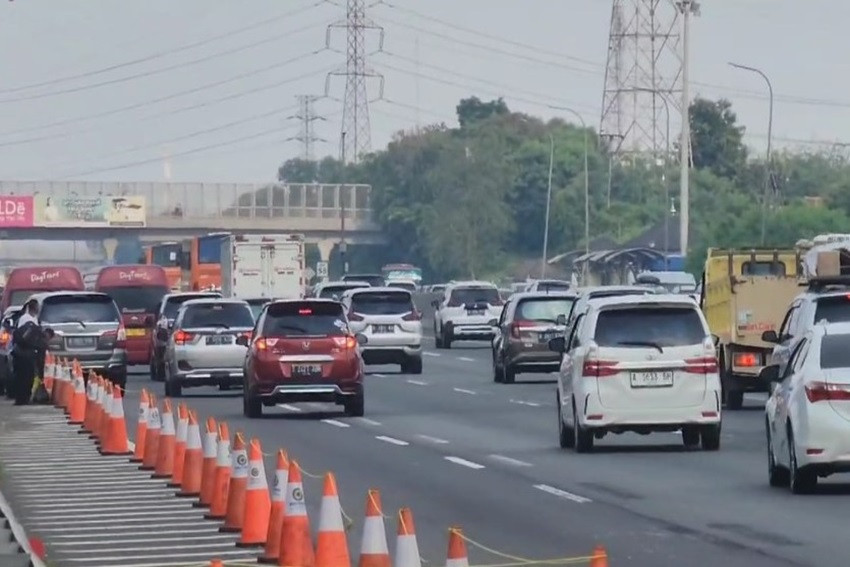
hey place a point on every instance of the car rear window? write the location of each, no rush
(466, 295)
(649, 326)
(544, 309)
(835, 351)
(172, 306)
(304, 319)
(553, 286)
(227, 315)
(79, 309)
(619, 293)
(403, 285)
(834, 309)
(335, 291)
(136, 299)
(382, 303)
(372, 280)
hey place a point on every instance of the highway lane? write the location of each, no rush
(489, 460)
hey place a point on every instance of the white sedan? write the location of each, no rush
(808, 412)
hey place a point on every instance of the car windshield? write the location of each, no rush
(305, 319)
(544, 309)
(225, 315)
(833, 309)
(465, 295)
(172, 306)
(136, 299)
(659, 325)
(256, 306)
(78, 309)
(336, 291)
(834, 352)
(382, 303)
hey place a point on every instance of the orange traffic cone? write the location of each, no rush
(63, 382)
(141, 427)
(255, 517)
(406, 546)
(193, 462)
(165, 450)
(296, 547)
(216, 563)
(180, 445)
(57, 376)
(281, 474)
(87, 421)
(457, 556)
(103, 413)
(331, 544)
(68, 397)
(116, 442)
(94, 422)
(49, 372)
(221, 484)
(152, 439)
(78, 402)
(236, 487)
(600, 557)
(208, 468)
(373, 546)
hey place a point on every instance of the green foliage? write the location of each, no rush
(468, 201)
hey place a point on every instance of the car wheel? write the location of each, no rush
(356, 407)
(776, 476)
(498, 375)
(413, 365)
(565, 434)
(509, 373)
(252, 407)
(800, 481)
(690, 436)
(582, 438)
(447, 340)
(438, 338)
(173, 389)
(734, 399)
(710, 437)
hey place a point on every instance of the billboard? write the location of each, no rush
(16, 211)
(88, 212)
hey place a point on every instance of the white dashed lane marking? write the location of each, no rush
(335, 423)
(524, 403)
(417, 382)
(433, 354)
(379, 375)
(562, 494)
(430, 439)
(392, 440)
(464, 391)
(290, 407)
(464, 463)
(466, 359)
(368, 421)
(510, 461)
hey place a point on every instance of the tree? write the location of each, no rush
(472, 110)
(716, 138)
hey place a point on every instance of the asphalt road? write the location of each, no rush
(461, 450)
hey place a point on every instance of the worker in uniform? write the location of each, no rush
(30, 342)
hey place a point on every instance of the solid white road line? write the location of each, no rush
(464, 463)
(379, 375)
(524, 403)
(417, 382)
(289, 407)
(466, 359)
(463, 391)
(562, 494)
(436, 440)
(510, 460)
(335, 423)
(432, 354)
(392, 440)
(368, 421)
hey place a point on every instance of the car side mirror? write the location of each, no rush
(770, 336)
(558, 344)
(361, 339)
(162, 334)
(561, 320)
(242, 340)
(716, 340)
(770, 374)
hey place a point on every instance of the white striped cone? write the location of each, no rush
(154, 419)
(182, 429)
(239, 463)
(222, 455)
(211, 444)
(457, 556)
(103, 400)
(330, 514)
(193, 437)
(373, 544)
(406, 546)
(144, 412)
(166, 423)
(281, 477)
(110, 406)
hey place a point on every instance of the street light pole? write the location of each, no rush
(343, 246)
(686, 7)
(767, 164)
(548, 208)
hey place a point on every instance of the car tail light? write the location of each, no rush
(599, 368)
(182, 337)
(518, 326)
(352, 316)
(347, 342)
(746, 359)
(701, 365)
(824, 391)
(4, 338)
(413, 316)
(263, 344)
(119, 336)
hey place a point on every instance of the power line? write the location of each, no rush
(306, 116)
(165, 53)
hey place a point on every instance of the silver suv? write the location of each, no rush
(468, 311)
(202, 349)
(165, 315)
(391, 323)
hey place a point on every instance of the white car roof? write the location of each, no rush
(614, 288)
(654, 298)
(472, 283)
(385, 289)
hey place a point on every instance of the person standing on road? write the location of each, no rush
(30, 345)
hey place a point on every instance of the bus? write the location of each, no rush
(201, 262)
(25, 281)
(407, 272)
(167, 256)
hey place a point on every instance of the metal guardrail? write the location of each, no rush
(19, 537)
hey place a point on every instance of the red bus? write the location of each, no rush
(137, 290)
(23, 282)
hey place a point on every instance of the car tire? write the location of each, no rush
(438, 339)
(412, 365)
(734, 399)
(565, 435)
(777, 476)
(690, 436)
(173, 389)
(799, 481)
(509, 373)
(710, 437)
(252, 406)
(447, 340)
(498, 375)
(356, 406)
(582, 438)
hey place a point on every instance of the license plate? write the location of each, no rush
(80, 342)
(306, 370)
(475, 312)
(219, 340)
(135, 332)
(661, 379)
(383, 328)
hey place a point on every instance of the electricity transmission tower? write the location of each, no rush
(641, 100)
(356, 137)
(306, 116)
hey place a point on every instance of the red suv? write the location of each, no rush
(303, 351)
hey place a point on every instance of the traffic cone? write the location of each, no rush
(68, 397)
(165, 450)
(142, 427)
(406, 546)
(331, 543)
(281, 474)
(116, 442)
(193, 463)
(208, 469)
(457, 549)
(221, 485)
(63, 394)
(216, 563)
(87, 421)
(78, 403)
(296, 546)
(236, 487)
(255, 517)
(180, 445)
(103, 413)
(599, 557)
(95, 409)
(373, 545)
(152, 439)
(49, 372)
(55, 393)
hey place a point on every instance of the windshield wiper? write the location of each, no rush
(642, 343)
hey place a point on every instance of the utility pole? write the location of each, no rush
(306, 116)
(686, 8)
(356, 130)
(343, 246)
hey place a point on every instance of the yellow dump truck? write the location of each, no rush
(744, 293)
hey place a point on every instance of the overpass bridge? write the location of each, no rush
(173, 211)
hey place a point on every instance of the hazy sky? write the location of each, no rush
(226, 103)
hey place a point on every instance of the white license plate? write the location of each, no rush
(219, 340)
(306, 370)
(660, 379)
(383, 329)
(81, 342)
(474, 312)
